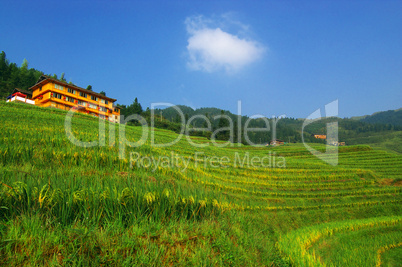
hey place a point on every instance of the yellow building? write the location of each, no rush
(320, 136)
(48, 92)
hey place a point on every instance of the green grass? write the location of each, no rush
(388, 141)
(392, 257)
(350, 242)
(341, 249)
(61, 204)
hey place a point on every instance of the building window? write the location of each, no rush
(103, 109)
(40, 88)
(56, 95)
(57, 86)
(70, 99)
(94, 98)
(71, 91)
(82, 103)
(83, 94)
(93, 106)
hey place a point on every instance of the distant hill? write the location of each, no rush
(382, 129)
(393, 117)
(286, 129)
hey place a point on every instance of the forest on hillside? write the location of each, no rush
(23, 77)
(393, 117)
(350, 131)
(12, 76)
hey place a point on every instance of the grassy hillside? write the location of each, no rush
(388, 141)
(61, 204)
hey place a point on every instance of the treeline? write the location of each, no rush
(286, 129)
(12, 76)
(126, 112)
(214, 123)
(221, 121)
(393, 117)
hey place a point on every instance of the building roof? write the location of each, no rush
(45, 79)
(26, 92)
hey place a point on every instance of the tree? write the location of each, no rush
(24, 65)
(220, 127)
(136, 107)
(89, 87)
(205, 123)
(102, 93)
(62, 77)
(12, 76)
(223, 123)
(3, 66)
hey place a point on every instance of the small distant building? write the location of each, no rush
(277, 142)
(20, 95)
(49, 92)
(336, 143)
(22, 91)
(320, 136)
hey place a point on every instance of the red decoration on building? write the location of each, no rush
(19, 94)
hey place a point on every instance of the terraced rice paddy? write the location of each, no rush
(183, 204)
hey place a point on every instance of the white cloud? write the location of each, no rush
(211, 49)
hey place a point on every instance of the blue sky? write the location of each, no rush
(277, 57)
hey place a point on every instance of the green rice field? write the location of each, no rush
(124, 202)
